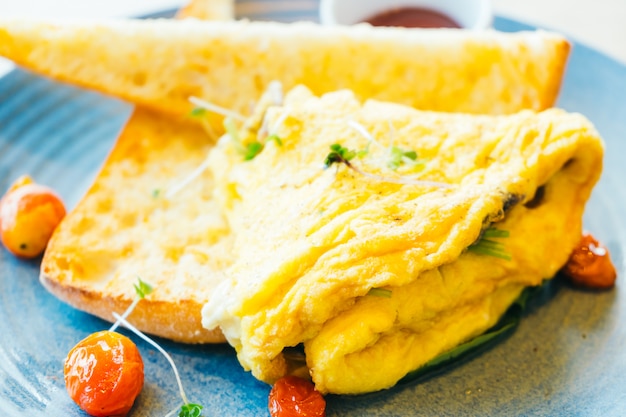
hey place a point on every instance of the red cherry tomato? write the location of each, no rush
(104, 374)
(296, 397)
(590, 265)
(29, 213)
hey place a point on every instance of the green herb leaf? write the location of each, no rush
(197, 112)
(190, 410)
(380, 292)
(486, 246)
(156, 193)
(231, 129)
(252, 150)
(399, 157)
(493, 232)
(249, 150)
(342, 155)
(142, 288)
(274, 137)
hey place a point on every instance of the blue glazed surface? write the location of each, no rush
(566, 358)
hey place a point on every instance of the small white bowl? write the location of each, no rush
(469, 14)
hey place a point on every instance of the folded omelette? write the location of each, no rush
(370, 263)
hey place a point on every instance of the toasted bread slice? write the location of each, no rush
(208, 10)
(99, 276)
(125, 228)
(162, 63)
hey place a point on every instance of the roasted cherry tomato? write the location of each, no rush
(104, 374)
(296, 397)
(590, 265)
(29, 213)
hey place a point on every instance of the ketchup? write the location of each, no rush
(590, 265)
(412, 17)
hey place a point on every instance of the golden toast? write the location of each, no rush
(126, 228)
(208, 10)
(162, 63)
(119, 230)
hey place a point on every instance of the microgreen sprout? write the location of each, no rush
(274, 137)
(485, 245)
(275, 89)
(399, 157)
(142, 289)
(203, 106)
(190, 410)
(380, 292)
(197, 112)
(188, 179)
(248, 151)
(251, 149)
(187, 407)
(342, 155)
(396, 156)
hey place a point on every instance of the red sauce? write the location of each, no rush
(590, 265)
(412, 17)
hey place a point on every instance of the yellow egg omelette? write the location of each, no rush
(379, 237)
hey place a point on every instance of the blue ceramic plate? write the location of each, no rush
(566, 358)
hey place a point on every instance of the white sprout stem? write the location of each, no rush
(392, 134)
(157, 347)
(276, 91)
(364, 132)
(403, 180)
(279, 122)
(174, 411)
(129, 310)
(215, 108)
(182, 184)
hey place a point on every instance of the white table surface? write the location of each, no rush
(597, 23)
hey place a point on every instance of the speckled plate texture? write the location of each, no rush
(567, 357)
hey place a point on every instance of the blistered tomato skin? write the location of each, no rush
(590, 265)
(296, 397)
(29, 213)
(104, 374)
